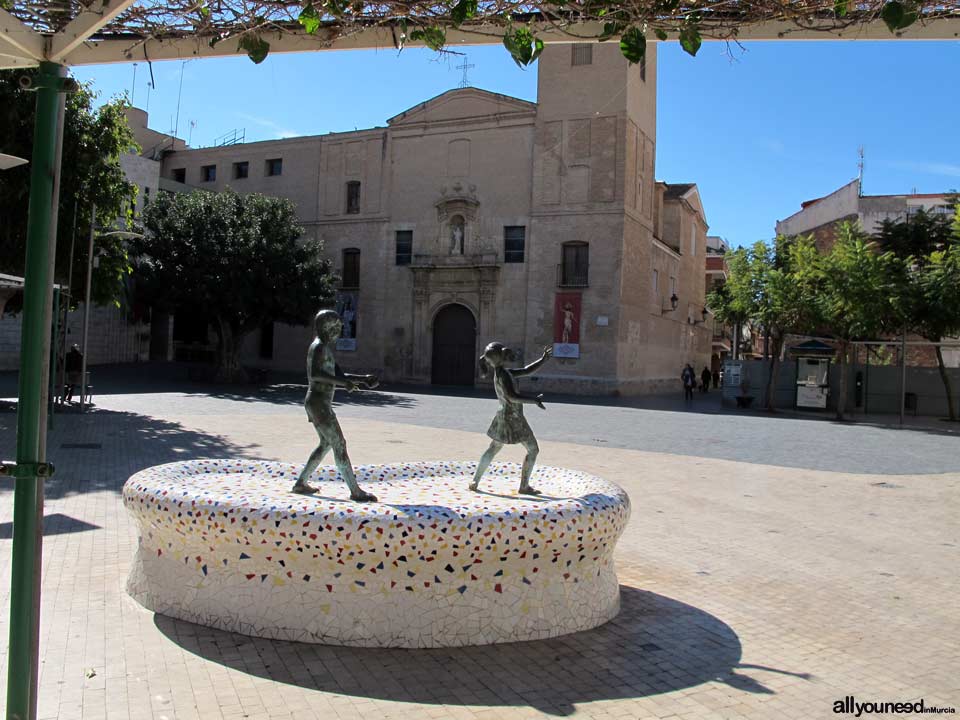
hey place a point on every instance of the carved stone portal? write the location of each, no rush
(458, 219)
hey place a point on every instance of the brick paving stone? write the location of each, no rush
(749, 590)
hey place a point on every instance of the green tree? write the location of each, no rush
(239, 258)
(93, 142)
(761, 288)
(915, 236)
(854, 292)
(928, 248)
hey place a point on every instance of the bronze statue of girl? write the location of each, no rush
(509, 426)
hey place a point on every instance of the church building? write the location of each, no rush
(475, 217)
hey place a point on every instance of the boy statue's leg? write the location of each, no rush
(345, 467)
(346, 470)
(532, 451)
(316, 457)
(484, 463)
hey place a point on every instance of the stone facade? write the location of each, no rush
(513, 211)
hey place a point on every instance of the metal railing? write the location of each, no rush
(573, 275)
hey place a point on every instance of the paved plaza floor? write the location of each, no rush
(771, 566)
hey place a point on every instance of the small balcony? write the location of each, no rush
(475, 260)
(573, 275)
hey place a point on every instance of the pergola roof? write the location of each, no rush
(83, 32)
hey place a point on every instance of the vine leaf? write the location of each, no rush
(433, 37)
(336, 7)
(522, 45)
(633, 45)
(899, 15)
(690, 39)
(309, 19)
(841, 7)
(661, 34)
(611, 29)
(463, 11)
(256, 47)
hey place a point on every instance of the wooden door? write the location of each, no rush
(454, 346)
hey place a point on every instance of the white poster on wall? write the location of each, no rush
(347, 308)
(566, 350)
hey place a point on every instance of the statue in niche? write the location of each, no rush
(348, 316)
(509, 426)
(567, 323)
(324, 377)
(456, 235)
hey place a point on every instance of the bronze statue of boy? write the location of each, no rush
(509, 426)
(324, 377)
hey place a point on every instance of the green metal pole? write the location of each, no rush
(21, 686)
(52, 353)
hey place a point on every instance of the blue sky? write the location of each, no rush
(759, 128)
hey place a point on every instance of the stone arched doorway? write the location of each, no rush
(454, 346)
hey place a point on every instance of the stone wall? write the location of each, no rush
(112, 338)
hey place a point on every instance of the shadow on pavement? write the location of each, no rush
(103, 448)
(293, 394)
(53, 524)
(655, 645)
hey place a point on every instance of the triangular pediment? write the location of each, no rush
(693, 197)
(462, 104)
(688, 192)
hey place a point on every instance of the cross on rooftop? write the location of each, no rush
(465, 81)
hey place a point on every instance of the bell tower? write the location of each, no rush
(596, 129)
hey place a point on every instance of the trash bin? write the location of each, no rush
(910, 402)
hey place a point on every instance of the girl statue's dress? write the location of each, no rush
(509, 426)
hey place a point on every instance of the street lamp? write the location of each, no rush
(674, 301)
(123, 234)
(704, 313)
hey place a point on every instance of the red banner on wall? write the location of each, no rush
(566, 319)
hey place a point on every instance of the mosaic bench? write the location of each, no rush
(224, 543)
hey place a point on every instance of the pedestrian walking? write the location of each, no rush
(73, 366)
(716, 379)
(705, 380)
(689, 379)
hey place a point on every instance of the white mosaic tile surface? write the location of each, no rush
(224, 543)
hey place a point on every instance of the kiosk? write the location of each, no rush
(813, 374)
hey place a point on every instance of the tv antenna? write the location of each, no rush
(860, 171)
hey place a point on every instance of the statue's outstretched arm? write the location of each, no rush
(370, 381)
(535, 365)
(336, 381)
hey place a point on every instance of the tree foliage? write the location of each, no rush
(237, 258)
(761, 288)
(853, 291)
(927, 246)
(916, 236)
(93, 142)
